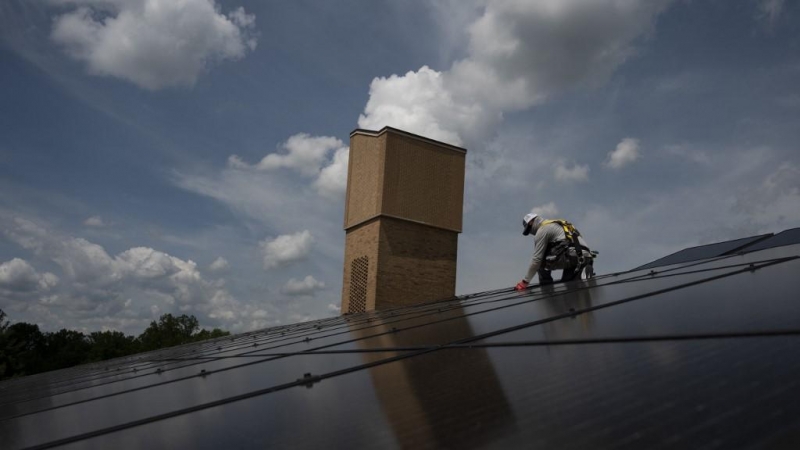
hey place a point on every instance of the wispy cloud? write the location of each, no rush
(769, 11)
(546, 210)
(576, 173)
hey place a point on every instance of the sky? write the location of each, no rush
(190, 156)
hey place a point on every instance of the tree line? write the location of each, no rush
(26, 350)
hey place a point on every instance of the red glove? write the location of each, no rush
(522, 285)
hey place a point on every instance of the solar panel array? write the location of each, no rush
(698, 354)
(706, 251)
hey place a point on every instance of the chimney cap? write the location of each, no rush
(407, 134)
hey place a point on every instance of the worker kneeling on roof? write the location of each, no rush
(558, 246)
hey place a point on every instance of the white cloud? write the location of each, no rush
(309, 156)
(418, 102)
(19, 276)
(627, 151)
(219, 264)
(520, 52)
(575, 173)
(546, 210)
(286, 249)
(304, 153)
(279, 200)
(335, 308)
(306, 286)
(95, 221)
(96, 284)
(332, 180)
(153, 43)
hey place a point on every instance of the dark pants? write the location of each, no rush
(569, 274)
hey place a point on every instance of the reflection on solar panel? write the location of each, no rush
(705, 251)
(700, 355)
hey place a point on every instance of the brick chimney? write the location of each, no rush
(403, 214)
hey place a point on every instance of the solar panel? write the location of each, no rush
(733, 304)
(704, 251)
(788, 237)
(690, 354)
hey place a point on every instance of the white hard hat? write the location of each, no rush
(527, 222)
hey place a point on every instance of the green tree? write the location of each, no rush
(4, 349)
(205, 334)
(111, 344)
(169, 331)
(23, 349)
(66, 348)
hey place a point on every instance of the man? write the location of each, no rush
(558, 246)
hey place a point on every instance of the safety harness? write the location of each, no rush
(571, 234)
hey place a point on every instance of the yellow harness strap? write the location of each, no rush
(569, 230)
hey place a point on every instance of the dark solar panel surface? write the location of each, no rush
(788, 237)
(704, 251)
(693, 355)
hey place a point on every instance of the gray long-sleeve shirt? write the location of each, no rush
(544, 235)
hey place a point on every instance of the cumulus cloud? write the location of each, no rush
(627, 151)
(520, 52)
(97, 284)
(219, 264)
(95, 221)
(334, 308)
(19, 276)
(304, 153)
(332, 180)
(153, 43)
(546, 210)
(286, 249)
(418, 102)
(575, 173)
(306, 286)
(311, 157)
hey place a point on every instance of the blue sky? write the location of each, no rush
(189, 156)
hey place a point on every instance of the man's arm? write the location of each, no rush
(538, 257)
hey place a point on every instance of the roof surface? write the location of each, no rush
(698, 354)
